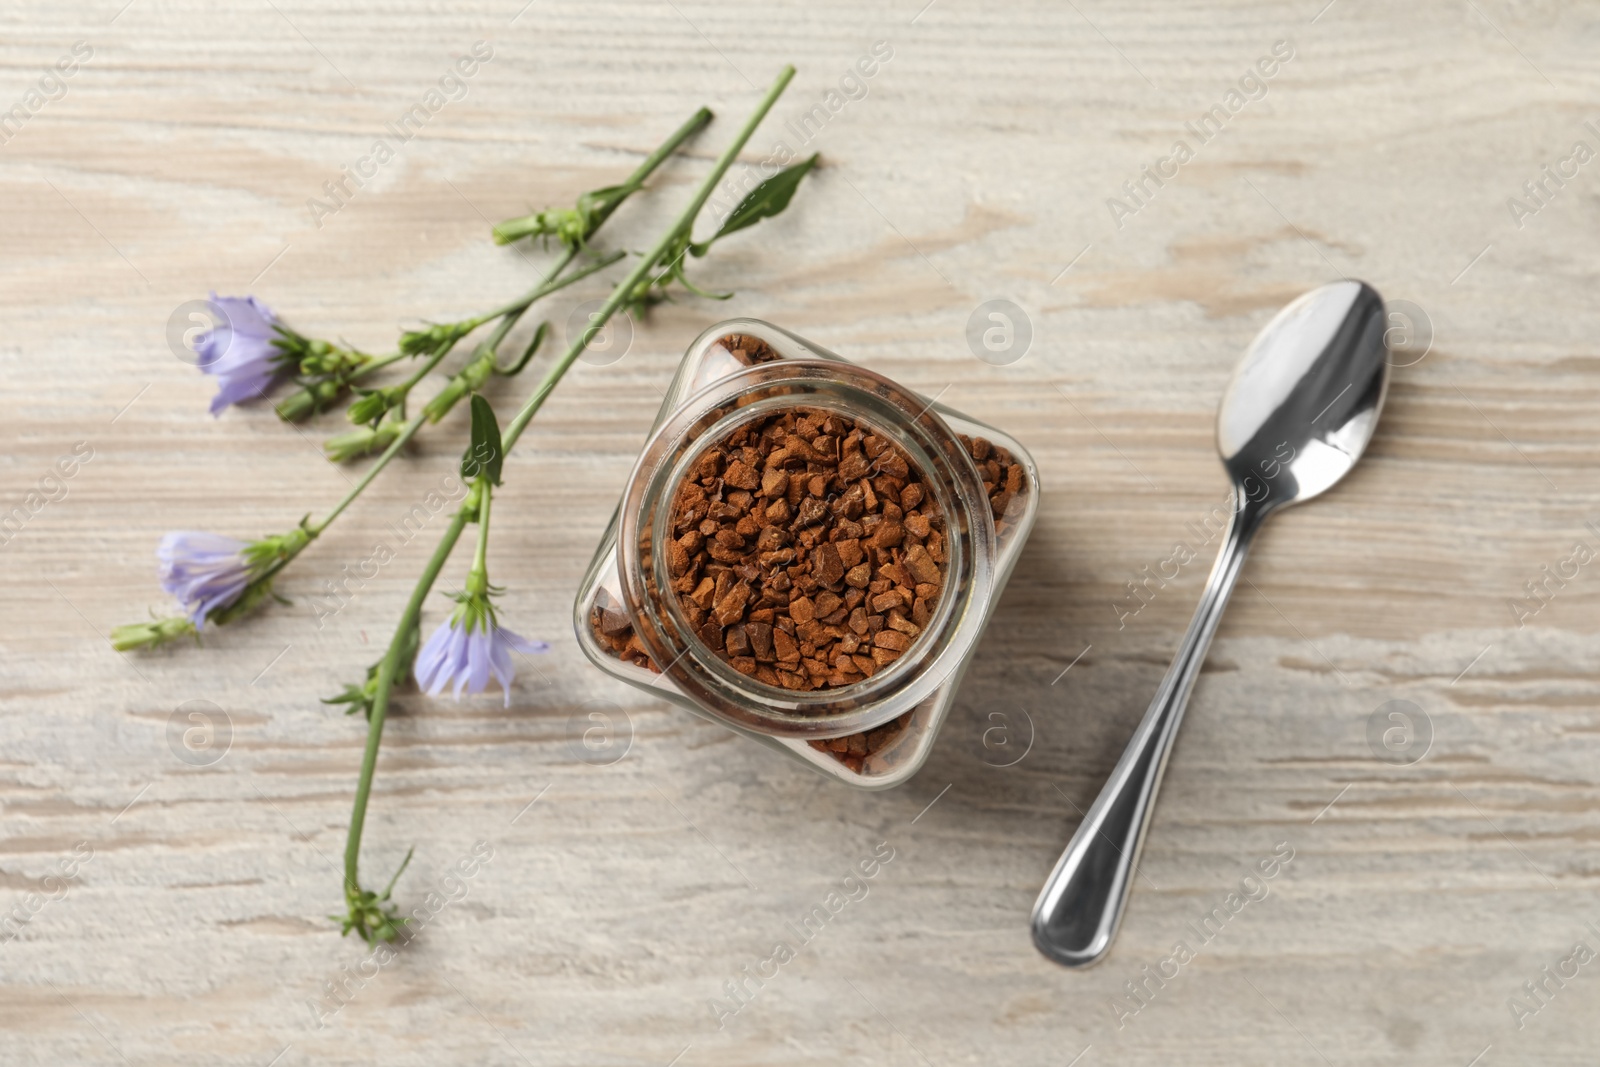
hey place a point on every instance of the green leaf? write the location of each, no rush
(485, 454)
(533, 347)
(764, 201)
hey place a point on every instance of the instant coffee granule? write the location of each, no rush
(805, 551)
(748, 350)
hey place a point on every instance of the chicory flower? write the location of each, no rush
(469, 648)
(204, 571)
(240, 352)
(214, 579)
(218, 578)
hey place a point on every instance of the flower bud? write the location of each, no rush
(369, 407)
(563, 223)
(344, 447)
(435, 339)
(151, 634)
(310, 399)
(323, 358)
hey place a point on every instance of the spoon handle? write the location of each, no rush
(1080, 907)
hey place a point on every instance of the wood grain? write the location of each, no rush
(977, 166)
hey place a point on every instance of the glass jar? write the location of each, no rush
(874, 733)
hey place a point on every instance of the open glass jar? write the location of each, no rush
(867, 718)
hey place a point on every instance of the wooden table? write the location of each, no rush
(975, 164)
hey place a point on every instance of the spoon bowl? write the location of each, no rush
(1297, 415)
(1304, 401)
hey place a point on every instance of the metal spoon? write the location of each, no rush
(1296, 417)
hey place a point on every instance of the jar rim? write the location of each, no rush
(950, 476)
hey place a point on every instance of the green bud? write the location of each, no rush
(309, 399)
(436, 338)
(254, 593)
(567, 225)
(369, 407)
(151, 634)
(323, 358)
(341, 448)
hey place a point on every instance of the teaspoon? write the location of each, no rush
(1296, 416)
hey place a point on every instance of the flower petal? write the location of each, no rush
(202, 571)
(522, 644)
(430, 664)
(479, 646)
(239, 352)
(505, 672)
(459, 639)
(245, 314)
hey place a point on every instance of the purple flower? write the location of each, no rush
(240, 351)
(469, 648)
(204, 571)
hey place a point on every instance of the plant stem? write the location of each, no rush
(628, 186)
(387, 672)
(544, 287)
(405, 387)
(389, 669)
(508, 319)
(480, 560)
(509, 313)
(646, 264)
(376, 365)
(412, 426)
(694, 125)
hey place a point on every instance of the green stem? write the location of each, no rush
(543, 288)
(509, 313)
(412, 426)
(480, 559)
(376, 365)
(508, 320)
(632, 183)
(694, 125)
(405, 387)
(389, 669)
(646, 264)
(387, 672)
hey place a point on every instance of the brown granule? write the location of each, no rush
(805, 551)
(853, 750)
(613, 630)
(748, 350)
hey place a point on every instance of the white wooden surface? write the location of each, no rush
(977, 166)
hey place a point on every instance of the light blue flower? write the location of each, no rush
(469, 648)
(219, 578)
(204, 571)
(241, 351)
